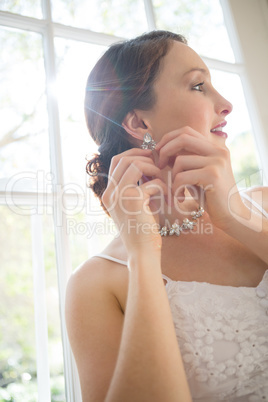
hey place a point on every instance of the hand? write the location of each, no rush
(129, 204)
(199, 164)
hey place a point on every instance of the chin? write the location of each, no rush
(218, 138)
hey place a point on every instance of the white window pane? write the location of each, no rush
(17, 330)
(119, 17)
(30, 8)
(200, 21)
(23, 115)
(74, 61)
(89, 230)
(17, 325)
(240, 138)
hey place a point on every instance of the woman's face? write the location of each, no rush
(186, 97)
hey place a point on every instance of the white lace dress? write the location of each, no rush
(222, 332)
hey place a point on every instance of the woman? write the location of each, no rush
(188, 319)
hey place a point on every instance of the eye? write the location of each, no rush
(198, 87)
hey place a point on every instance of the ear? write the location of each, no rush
(135, 125)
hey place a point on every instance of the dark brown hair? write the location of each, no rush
(122, 80)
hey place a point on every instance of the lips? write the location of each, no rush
(218, 130)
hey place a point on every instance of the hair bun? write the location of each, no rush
(98, 173)
(93, 164)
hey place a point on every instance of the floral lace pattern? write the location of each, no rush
(222, 332)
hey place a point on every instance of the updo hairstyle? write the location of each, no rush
(122, 80)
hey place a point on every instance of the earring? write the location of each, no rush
(148, 142)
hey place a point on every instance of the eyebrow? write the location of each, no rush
(202, 70)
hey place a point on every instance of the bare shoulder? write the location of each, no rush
(94, 280)
(260, 195)
(94, 306)
(94, 273)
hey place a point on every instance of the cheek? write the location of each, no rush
(171, 115)
(200, 120)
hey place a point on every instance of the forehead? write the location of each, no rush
(181, 59)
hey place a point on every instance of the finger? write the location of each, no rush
(175, 133)
(130, 152)
(154, 187)
(190, 178)
(125, 162)
(136, 170)
(183, 143)
(195, 191)
(189, 162)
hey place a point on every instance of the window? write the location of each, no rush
(50, 221)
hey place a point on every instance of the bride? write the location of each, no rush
(176, 307)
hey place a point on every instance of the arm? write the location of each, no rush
(135, 356)
(149, 365)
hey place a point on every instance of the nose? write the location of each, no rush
(223, 106)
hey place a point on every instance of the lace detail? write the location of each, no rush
(222, 332)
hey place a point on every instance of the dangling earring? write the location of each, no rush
(148, 142)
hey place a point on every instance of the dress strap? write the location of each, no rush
(166, 278)
(256, 205)
(108, 257)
